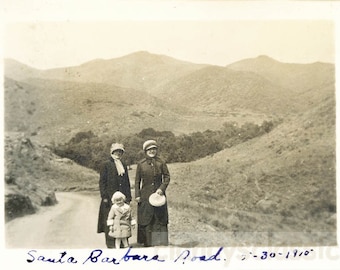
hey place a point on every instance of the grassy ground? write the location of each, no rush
(281, 185)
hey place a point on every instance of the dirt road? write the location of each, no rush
(72, 223)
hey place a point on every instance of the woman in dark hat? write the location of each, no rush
(113, 177)
(152, 176)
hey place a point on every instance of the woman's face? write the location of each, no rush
(152, 152)
(118, 153)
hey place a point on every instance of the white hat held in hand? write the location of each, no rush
(157, 200)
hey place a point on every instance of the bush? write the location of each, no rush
(17, 205)
(88, 150)
(80, 136)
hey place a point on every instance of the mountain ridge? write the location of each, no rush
(178, 90)
(297, 77)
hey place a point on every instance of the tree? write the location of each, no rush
(80, 136)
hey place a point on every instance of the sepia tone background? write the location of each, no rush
(277, 188)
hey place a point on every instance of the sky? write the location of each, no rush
(198, 33)
(55, 44)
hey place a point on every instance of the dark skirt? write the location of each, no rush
(104, 210)
(153, 234)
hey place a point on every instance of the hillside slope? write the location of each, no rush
(19, 71)
(55, 111)
(58, 110)
(33, 174)
(140, 70)
(296, 77)
(251, 86)
(262, 85)
(282, 183)
(222, 90)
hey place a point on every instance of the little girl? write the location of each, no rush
(119, 220)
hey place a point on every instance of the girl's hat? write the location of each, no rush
(118, 195)
(117, 146)
(157, 200)
(149, 144)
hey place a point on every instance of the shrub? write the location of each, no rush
(89, 150)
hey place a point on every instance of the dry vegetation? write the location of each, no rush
(278, 189)
(281, 185)
(33, 175)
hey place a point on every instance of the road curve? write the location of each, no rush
(72, 223)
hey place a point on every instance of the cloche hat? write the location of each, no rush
(118, 195)
(157, 200)
(117, 146)
(149, 144)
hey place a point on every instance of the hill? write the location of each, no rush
(252, 88)
(141, 71)
(55, 111)
(19, 71)
(33, 174)
(298, 78)
(281, 187)
(64, 107)
(260, 85)
(221, 90)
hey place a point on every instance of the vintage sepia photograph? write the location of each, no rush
(172, 132)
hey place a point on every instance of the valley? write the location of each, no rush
(275, 189)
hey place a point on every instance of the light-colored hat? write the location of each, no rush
(157, 200)
(117, 146)
(118, 195)
(149, 144)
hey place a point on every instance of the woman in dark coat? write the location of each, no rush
(152, 175)
(113, 177)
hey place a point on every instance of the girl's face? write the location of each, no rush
(152, 152)
(119, 201)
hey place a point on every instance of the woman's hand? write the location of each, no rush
(159, 192)
(138, 199)
(106, 203)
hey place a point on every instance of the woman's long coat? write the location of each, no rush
(151, 174)
(109, 183)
